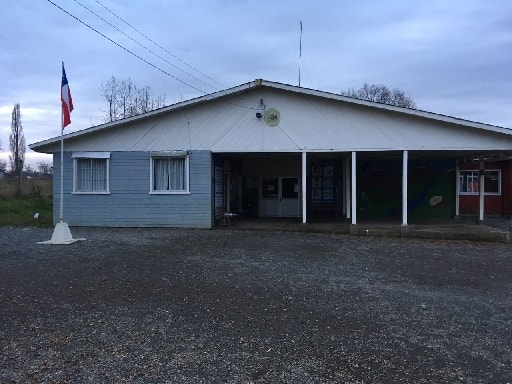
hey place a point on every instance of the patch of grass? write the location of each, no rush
(20, 212)
(36, 197)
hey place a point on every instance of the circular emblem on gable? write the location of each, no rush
(272, 117)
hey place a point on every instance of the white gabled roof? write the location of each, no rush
(311, 120)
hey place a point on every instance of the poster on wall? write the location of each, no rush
(322, 183)
(316, 195)
(322, 188)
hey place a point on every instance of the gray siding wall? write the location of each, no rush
(129, 203)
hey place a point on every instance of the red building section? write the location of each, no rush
(497, 185)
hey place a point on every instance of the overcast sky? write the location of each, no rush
(452, 57)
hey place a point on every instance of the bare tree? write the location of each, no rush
(3, 163)
(29, 170)
(17, 145)
(124, 99)
(381, 94)
(111, 93)
(45, 167)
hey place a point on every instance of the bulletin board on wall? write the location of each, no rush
(322, 188)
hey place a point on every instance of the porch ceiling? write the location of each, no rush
(466, 156)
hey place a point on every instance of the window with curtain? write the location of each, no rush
(469, 179)
(91, 175)
(170, 174)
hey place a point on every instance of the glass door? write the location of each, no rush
(270, 197)
(289, 200)
(280, 197)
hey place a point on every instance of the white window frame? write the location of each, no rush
(89, 156)
(476, 174)
(170, 154)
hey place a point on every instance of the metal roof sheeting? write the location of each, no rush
(309, 120)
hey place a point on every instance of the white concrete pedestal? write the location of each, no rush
(61, 235)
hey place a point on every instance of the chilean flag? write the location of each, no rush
(67, 101)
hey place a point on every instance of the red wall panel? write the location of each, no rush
(493, 204)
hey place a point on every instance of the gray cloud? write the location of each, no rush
(451, 57)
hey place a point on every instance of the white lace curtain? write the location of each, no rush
(169, 174)
(91, 175)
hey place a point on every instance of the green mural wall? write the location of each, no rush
(431, 189)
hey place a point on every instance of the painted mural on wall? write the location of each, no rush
(431, 189)
(322, 188)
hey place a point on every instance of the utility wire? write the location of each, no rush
(142, 59)
(126, 49)
(159, 46)
(143, 46)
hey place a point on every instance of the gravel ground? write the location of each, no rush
(502, 223)
(228, 306)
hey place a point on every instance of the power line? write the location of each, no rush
(159, 46)
(141, 58)
(143, 46)
(126, 49)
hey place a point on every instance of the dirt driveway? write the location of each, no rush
(209, 306)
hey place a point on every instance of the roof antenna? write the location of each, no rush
(300, 47)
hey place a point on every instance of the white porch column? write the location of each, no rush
(304, 186)
(404, 187)
(457, 189)
(353, 191)
(346, 200)
(481, 190)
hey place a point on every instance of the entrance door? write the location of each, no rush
(280, 197)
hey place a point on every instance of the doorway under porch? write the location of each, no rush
(282, 185)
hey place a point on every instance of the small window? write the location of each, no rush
(169, 173)
(470, 179)
(91, 172)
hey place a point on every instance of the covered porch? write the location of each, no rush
(345, 187)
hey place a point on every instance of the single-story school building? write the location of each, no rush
(266, 149)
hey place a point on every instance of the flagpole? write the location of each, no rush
(61, 232)
(300, 48)
(61, 166)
